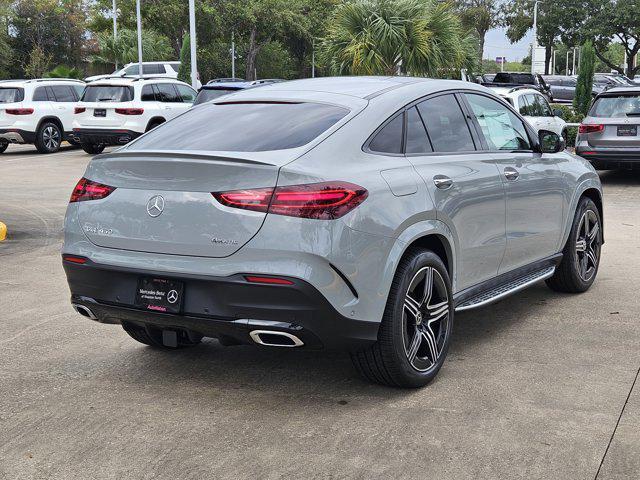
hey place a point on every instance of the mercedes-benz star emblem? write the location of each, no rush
(155, 206)
(172, 296)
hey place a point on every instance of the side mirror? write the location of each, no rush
(558, 113)
(551, 142)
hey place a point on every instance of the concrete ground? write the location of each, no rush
(538, 386)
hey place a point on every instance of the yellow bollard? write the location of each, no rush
(3, 231)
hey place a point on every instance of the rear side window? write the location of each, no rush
(446, 124)
(63, 93)
(166, 92)
(417, 139)
(40, 94)
(616, 106)
(10, 95)
(107, 93)
(148, 94)
(389, 139)
(208, 94)
(243, 127)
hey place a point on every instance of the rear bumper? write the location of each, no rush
(16, 135)
(104, 136)
(227, 308)
(610, 159)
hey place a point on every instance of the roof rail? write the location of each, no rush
(52, 80)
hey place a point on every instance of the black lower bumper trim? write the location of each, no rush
(15, 134)
(228, 308)
(99, 136)
(612, 160)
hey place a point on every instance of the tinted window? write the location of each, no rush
(10, 95)
(446, 124)
(243, 127)
(523, 105)
(616, 106)
(524, 78)
(569, 82)
(107, 93)
(79, 89)
(417, 139)
(207, 94)
(539, 106)
(63, 93)
(187, 94)
(502, 129)
(148, 94)
(389, 139)
(40, 94)
(165, 92)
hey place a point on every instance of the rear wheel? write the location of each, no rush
(3, 146)
(414, 335)
(92, 148)
(153, 337)
(581, 254)
(48, 138)
(153, 124)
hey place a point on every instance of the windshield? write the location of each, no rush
(243, 127)
(107, 93)
(207, 94)
(616, 106)
(513, 78)
(10, 95)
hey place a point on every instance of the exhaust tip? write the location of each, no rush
(84, 311)
(272, 338)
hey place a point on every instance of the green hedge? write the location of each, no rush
(569, 116)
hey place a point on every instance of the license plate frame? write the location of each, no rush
(159, 294)
(627, 130)
(100, 112)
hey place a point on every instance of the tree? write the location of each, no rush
(582, 100)
(124, 49)
(38, 63)
(184, 73)
(387, 37)
(480, 16)
(62, 71)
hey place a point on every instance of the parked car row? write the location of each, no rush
(563, 87)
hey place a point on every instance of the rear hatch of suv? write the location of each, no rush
(11, 106)
(613, 121)
(101, 104)
(164, 182)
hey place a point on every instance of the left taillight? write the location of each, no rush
(88, 190)
(19, 111)
(321, 201)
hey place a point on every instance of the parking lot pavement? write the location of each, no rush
(536, 386)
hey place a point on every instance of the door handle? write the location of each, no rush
(511, 173)
(442, 182)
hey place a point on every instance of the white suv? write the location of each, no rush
(157, 69)
(38, 111)
(115, 111)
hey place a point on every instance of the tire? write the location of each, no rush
(48, 138)
(581, 254)
(153, 125)
(92, 148)
(412, 346)
(153, 337)
(3, 146)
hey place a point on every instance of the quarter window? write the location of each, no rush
(502, 129)
(417, 139)
(40, 94)
(187, 94)
(147, 94)
(63, 93)
(389, 139)
(165, 92)
(446, 124)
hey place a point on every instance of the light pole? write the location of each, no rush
(233, 56)
(573, 68)
(313, 59)
(566, 64)
(535, 36)
(115, 29)
(192, 43)
(139, 22)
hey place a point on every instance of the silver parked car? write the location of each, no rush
(352, 213)
(608, 136)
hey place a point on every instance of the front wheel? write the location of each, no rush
(92, 148)
(48, 138)
(415, 331)
(581, 254)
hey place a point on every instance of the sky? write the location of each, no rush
(496, 44)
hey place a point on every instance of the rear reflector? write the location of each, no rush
(19, 111)
(74, 259)
(77, 110)
(322, 201)
(130, 111)
(590, 128)
(88, 190)
(268, 280)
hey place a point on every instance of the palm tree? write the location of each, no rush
(389, 37)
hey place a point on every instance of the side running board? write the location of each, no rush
(506, 289)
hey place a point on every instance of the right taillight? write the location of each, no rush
(590, 128)
(321, 201)
(78, 110)
(89, 190)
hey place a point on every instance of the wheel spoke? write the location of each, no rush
(437, 311)
(428, 286)
(416, 341)
(581, 245)
(593, 234)
(430, 338)
(591, 256)
(411, 305)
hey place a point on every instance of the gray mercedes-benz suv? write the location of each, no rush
(352, 213)
(608, 136)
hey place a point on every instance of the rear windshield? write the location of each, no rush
(10, 95)
(107, 93)
(513, 78)
(207, 94)
(243, 127)
(616, 106)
